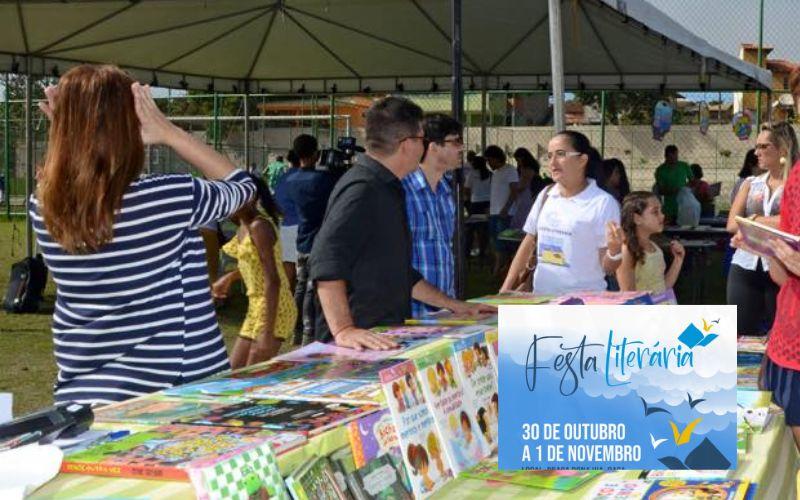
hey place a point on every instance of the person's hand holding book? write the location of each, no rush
(789, 257)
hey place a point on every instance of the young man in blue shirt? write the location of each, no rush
(430, 206)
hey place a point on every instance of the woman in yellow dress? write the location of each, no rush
(271, 311)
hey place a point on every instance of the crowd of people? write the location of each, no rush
(326, 256)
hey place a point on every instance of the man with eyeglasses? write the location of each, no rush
(361, 258)
(431, 208)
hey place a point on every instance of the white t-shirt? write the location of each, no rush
(479, 189)
(502, 178)
(570, 233)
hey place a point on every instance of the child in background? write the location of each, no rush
(271, 312)
(643, 267)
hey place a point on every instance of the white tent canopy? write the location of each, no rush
(281, 46)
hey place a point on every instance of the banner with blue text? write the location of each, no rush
(617, 387)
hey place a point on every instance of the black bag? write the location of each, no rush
(25, 287)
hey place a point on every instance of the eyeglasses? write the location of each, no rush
(420, 137)
(561, 154)
(458, 142)
(763, 146)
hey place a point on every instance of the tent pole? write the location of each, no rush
(484, 101)
(7, 147)
(247, 129)
(760, 60)
(556, 63)
(28, 153)
(332, 122)
(603, 123)
(457, 93)
(216, 121)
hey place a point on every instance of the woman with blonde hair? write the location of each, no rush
(133, 313)
(759, 198)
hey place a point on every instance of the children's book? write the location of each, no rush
(474, 368)
(654, 475)
(380, 479)
(628, 489)
(253, 473)
(460, 332)
(274, 365)
(465, 434)
(156, 410)
(757, 236)
(167, 452)
(371, 436)
(493, 338)
(511, 298)
(561, 480)
(448, 318)
(318, 351)
(315, 480)
(309, 417)
(610, 298)
(666, 297)
(747, 343)
(722, 489)
(420, 442)
(417, 331)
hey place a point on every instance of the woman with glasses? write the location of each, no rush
(573, 238)
(759, 198)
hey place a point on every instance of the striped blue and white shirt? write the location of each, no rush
(136, 316)
(431, 220)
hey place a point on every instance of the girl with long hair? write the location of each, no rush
(271, 311)
(133, 312)
(643, 266)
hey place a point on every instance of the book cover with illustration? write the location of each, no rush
(309, 417)
(371, 436)
(511, 298)
(625, 489)
(561, 480)
(254, 473)
(609, 388)
(463, 444)
(474, 368)
(318, 351)
(166, 452)
(493, 340)
(449, 318)
(380, 479)
(757, 235)
(156, 410)
(722, 489)
(605, 298)
(425, 462)
(315, 479)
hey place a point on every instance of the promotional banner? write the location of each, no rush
(617, 387)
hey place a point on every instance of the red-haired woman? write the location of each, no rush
(133, 312)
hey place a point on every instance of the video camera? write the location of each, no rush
(337, 160)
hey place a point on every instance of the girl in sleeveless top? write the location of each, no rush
(271, 311)
(643, 266)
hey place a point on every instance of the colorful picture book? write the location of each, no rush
(475, 369)
(156, 410)
(511, 298)
(628, 489)
(253, 473)
(315, 479)
(371, 436)
(605, 298)
(166, 452)
(701, 475)
(722, 489)
(747, 343)
(420, 441)
(308, 417)
(448, 318)
(757, 236)
(380, 479)
(561, 480)
(465, 434)
(318, 351)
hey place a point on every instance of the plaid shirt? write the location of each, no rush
(431, 220)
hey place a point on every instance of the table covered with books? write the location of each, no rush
(421, 421)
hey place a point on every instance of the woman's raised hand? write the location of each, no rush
(156, 129)
(50, 92)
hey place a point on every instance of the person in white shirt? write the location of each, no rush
(573, 238)
(502, 194)
(477, 190)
